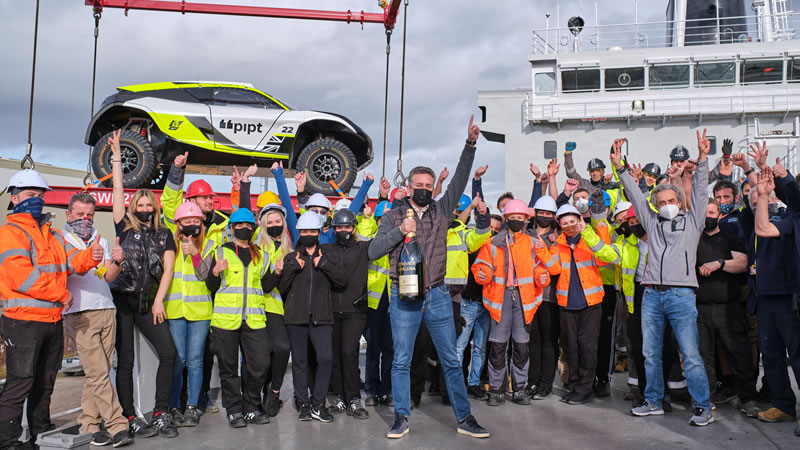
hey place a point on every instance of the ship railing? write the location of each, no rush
(660, 34)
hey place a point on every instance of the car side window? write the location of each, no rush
(242, 97)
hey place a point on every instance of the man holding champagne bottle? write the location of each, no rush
(414, 235)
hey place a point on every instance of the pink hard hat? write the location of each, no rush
(516, 207)
(188, 209)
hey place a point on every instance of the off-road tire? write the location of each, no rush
(139, 164)
(327, 159)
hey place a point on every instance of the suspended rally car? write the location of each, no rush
(223, 124)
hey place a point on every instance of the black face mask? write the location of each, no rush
(515, 225)
(327, 223)
(344, 237)
(422, 197)
(624, 229)
(544, 221)
(144, 216)
(494, 233)
(454, 223)
(638, 230)
(308, 241)
(191, 230)
(275, 231)
(711, 223)
(243, 234)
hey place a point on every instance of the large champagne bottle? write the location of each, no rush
(411, 268)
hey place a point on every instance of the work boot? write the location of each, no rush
(163, 422)
(542, 392)
(723, 395)
(520, 398)
(272, 404)
(579, 399)
(356, 410)
(191, 417)
(371, 400)
(236, 420)
(477, 393)
(602, 389)
(530, 389)
(177, 417)
(256, 418)
(773, 415)
(141, 429)
(621, 363)
(496, 399)
(750, 409)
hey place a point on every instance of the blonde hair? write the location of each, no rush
(133, 222)
(197, 240)
(264, 238)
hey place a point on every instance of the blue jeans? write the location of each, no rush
(190, 340)
(437, 312)
(678, 306)
(477, 317)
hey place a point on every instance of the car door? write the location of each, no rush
(241, 118)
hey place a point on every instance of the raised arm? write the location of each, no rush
(636, 197)
(118, 197)
(459, 182)
(172, 195)
(552, 171)
(700, 181)
(286, 200)
(361, 195)
(244, 187)
(477, 188)
(440, 182)
(537, 185)
(788, 184)
(569, 167)
(766, 184)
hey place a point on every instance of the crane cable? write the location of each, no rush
(27, 161)
(87, 179)
(399, 178)
(386, 98)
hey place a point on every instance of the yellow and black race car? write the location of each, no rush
(221, 125)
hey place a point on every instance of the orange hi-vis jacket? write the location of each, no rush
(34, 265)
(591, 252)
(491, 261)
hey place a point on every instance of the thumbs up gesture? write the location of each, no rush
(279, 266)
(181, 160)
(220, 266)
(316, 260)
(187, 247)
(97, 249)
(300, 261)
(117, 254)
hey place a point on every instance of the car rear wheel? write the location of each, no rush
(139, 165)
(326, 160)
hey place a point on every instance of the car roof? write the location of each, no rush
(183, 84)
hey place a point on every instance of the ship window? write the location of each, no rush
(628, 78)
(714, 73)
(712, 147)
(770, 71)
(794, 70)
(583, 80)
(673, 75)
(550, 149)
(544, 83)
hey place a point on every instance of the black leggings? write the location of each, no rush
(158, 336)
(280, 351)
(320, 337)
(347, 330)
(543, 346)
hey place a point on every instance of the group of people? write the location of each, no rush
(638, 260)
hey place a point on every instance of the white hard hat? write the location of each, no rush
(567, 209)
(319, 200)
(342, 204)
(27, 178)
(309, 221)
(621, 207)
(545, 203)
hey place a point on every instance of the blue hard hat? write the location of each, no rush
(463, 202)
(242, 215)
(606, 199)
(382, 207)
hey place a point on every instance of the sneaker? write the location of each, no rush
(520, 398)
(305, 412)
(722, 396)
(399, 428)
(256, 418)
(666, 405)
(236, 420)
(602, 389)
(163, 422)
(477, 393)
(646, 409)
(213, 409)
(701, 417)
(495, 399)
(371, 400)
(773, 415)
(121, 439)
(338, 406)
(530, 389)
(566, 397)
(191, 417)
(272, 403)
(542, 393)
(321, 413)
(101, 438)
(470, 427)
(579, 399)
(141, 429)
(356, 410)
(177, 417)
(750, 409)
(388, 400)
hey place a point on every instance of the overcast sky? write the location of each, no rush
(455, 49)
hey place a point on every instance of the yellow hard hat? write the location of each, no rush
(266, 198)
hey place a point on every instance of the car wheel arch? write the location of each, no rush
(315, 129)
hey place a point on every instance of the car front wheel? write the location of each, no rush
(326, 160)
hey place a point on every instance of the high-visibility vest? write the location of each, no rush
(625, 271)
(273, 302)
(172, 198)
(461, 241)
(240, 296)
(34, 265)
(491, 261)
(378, 280)
(188, 297)
(558, 259)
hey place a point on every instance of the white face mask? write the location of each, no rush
(582, 205)
(668, 211)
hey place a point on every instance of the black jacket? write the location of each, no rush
(353, 259)
(308, 289)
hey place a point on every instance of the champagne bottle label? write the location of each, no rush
(408, 281)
